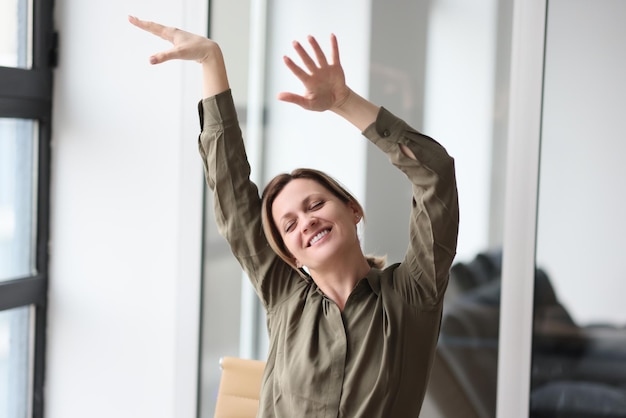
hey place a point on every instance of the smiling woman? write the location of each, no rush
(348, 337)
(312, 226)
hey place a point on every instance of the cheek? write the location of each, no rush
(290, 244)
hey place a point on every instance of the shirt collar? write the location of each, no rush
(373, 278)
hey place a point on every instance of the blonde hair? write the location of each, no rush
(278, 183)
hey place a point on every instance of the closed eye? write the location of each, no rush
(316, 205)
(289, 226)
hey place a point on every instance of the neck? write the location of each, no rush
(338, 281)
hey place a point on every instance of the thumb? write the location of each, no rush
(162, 56)
(292, 98)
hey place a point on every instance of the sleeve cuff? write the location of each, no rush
(387, 128)
(217, 110)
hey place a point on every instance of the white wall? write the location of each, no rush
(125, 216)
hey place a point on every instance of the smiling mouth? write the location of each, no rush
(319, 236)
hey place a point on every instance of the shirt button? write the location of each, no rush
(386, 133)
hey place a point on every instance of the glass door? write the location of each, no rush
(443, 66)
(579, 321)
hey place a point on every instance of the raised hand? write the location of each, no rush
(189, 46)
(324, 82)
(186, 46)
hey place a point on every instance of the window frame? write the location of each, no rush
(27, 93)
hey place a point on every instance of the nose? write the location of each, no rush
(308, 223)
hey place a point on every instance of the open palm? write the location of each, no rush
(324, 82)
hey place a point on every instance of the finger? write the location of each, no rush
(295, 69)
(304, 56)
(163, 56)
(319, 54)
(334, 45)
(154, 28)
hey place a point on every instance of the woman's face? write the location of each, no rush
(316, 226)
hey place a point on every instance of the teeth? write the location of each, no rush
(318, 237)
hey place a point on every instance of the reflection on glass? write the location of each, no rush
(16, 33)
(579, 340)
(465, 375)
(445, 77)
(17, 197)
(222, 274)
(15, 370)
(466, 82)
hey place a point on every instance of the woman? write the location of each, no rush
(348, 338)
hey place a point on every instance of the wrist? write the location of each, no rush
(214, 77)
(212, 53)
(341, 103)
(357, 110)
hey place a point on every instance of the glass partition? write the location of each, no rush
(579, 337)
(467, 62)
(442, 66)
(223, 284)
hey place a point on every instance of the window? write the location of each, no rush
(578, 334)
(27, 55)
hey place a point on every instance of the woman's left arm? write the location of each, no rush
(434, 221)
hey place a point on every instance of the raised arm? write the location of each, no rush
(188, 46)
(236, 198)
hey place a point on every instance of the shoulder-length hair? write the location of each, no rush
(278, 183)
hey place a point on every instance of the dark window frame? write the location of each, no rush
(27, 94)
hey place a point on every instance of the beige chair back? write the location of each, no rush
(240, 385)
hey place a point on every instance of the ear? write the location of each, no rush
(298, 264)
(356, 212)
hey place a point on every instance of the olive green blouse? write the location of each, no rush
(374, 358)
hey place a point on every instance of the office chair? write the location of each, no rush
(240, 384)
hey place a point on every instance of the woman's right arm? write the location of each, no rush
(236, 198)
(227, 172)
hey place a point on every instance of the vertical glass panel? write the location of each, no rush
(466, 86)
(579, 339)
(17, 197)
(442, 66)
(222, 275)
(15, 362)
(16, 33)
